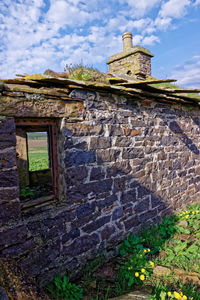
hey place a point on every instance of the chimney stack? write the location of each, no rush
(127, 41)
(132, 61)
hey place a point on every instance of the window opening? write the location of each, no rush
(36, 151)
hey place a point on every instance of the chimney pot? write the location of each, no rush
(127, 41)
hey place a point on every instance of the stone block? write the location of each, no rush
(8, 194)
(148, 215)
(119, 169)
(9, 178)
(77, 158)
(142, 206)
(7, 159)
(82, 245)
(132, 132)
(142, 192)
(106, 202)
(107, 232)
(81, 129)
(97, 173)
(73, 234)
(109, 155)
(9, 211)
(129, 196)
(115, 130)
(76, 175)
(100, 143)
(13, 236)
(131, 223)
(96, 224)
(123, 142)
(117, 213)
(132, 153)
(120, 183)
(85, 209)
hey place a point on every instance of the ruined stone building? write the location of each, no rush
(123, 154)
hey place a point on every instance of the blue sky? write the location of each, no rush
(39, 34)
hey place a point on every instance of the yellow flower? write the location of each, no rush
(152, 263)
(145, 250)
(143, 270)
(187, 216)
(169, 293)
(184, 297)
(187, 212)
(141, 255)
(180, 215)
(197, 211)
(129, 268)
(193, 212)
(137, 274)
(177, 295)
(148, 250)
(142, 277)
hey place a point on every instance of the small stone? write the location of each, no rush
(93, 284)
(137, 295)
(106, 272)
(183, 223)
(161, 271)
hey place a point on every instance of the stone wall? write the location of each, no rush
(123, 164)
(9, 194)
(132, 64)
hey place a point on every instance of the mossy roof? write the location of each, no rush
(158, 89)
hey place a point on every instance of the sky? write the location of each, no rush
(36, 35)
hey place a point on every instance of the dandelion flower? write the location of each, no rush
(152, 263)
(143, 270)
(145, 250)
(187, 216)
(197, 211)
(148, 250)
(184, 297)
(137, 274)
(141, 255)
(169, 293)
(177, 295)
(187, 212)
(142, 277)
(193, 212)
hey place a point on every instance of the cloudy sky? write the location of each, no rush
(39, 34)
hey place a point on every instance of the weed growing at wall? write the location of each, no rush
(62, 288)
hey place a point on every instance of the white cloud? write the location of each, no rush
(162, 23)
(188, 74)
(150, 40)
(35, 35)
(174, 8)
(142, 7)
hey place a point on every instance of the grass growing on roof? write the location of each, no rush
(85, 73)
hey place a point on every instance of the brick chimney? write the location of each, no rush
(132, 61)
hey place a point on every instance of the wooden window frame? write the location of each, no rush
(52, 143)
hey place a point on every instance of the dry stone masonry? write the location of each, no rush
(125, 160)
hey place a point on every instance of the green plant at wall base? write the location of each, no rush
(61, 288)
(157, 235)
(131, 244)
(137, 269)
